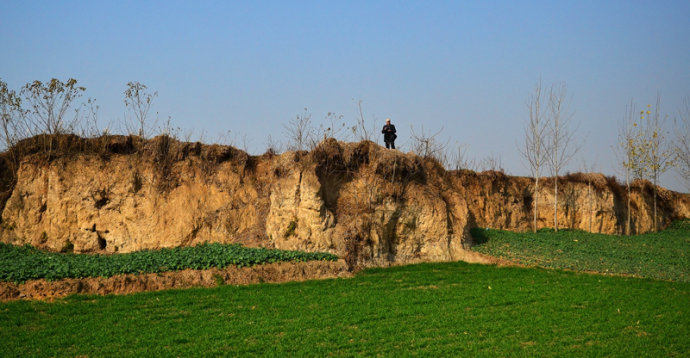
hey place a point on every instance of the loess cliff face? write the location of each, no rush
(364, 203)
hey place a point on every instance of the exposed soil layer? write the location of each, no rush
(366, 204)
(126, 284)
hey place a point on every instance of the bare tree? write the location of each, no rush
(659, 155)
(561, 146)
(682, 144)
(629, 153)
(12, 123)
(534, 148)
(11, 113)
(299, 132)
(49, 103)
(138, 101)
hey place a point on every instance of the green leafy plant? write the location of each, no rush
(291, 228)
(21, 263)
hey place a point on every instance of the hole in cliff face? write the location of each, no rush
(137, 182)
(121, 145)
(353, 247)
(43, 208)
(100, 198)
(331, 170)
(102, 243)
(527, 201)
(101, 203)
(68, 247)
(280, 172)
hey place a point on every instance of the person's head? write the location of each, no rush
(388, 121)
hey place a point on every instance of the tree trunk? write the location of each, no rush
(591, 211)
(655, 178)
(627, 185)
(555, 203)
(536, 201)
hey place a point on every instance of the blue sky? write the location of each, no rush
(467, 67)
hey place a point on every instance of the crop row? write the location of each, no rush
(21, 263)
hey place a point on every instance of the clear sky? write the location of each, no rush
(468, 67)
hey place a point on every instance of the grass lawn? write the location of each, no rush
(428, 309)
(664, 255)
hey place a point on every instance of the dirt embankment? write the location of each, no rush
(366, 204)
(126, 284)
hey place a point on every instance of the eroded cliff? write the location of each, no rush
(360, 201)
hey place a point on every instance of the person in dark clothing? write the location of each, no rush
(389, 134)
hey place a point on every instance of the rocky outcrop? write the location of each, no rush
(369, 205)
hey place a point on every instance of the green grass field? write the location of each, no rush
(428, 309)
(444, 309)
(664, 255)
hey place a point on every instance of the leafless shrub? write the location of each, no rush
(299, 132)
(459, 159)
(333, 126)
(491, 163)
(169, 130)
(224, 138)
(12, 118)
(138, 101)
(428, 145)
(49, 103)
(188, 134)
(90, 124)
(363, 130)
(272, 146)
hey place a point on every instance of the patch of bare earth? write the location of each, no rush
(474, 257)
(126, 284)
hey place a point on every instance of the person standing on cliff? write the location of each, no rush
(389, 134)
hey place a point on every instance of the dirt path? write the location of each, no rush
(126, 284)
